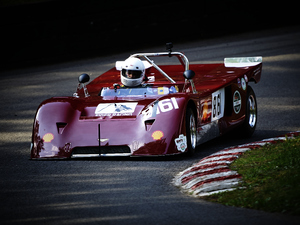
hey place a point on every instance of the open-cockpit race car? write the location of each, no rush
(140, 108)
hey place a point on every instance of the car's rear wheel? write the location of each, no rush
(249, 125)
(191, 131)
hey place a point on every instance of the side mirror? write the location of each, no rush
(83, 78)
(188, 74)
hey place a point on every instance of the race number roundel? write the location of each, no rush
(237, 102)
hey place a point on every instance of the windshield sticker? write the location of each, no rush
(173, 89)
(115, 109)
(162, 90)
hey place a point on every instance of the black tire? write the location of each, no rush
(249, 125)
(191, 131)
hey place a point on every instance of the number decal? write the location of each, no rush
(167, 105)
(164, 105)
(218, 104)
(175, 103)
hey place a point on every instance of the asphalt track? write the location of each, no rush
(135, 190)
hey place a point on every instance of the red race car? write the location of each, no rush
(139, 108)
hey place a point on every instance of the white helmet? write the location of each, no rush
(133, 71)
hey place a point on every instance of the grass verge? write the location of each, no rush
(271, 179)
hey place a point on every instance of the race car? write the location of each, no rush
(141, 108)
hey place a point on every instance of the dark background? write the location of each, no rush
(61, 30)
(134, 190)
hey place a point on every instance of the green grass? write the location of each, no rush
(271, 179)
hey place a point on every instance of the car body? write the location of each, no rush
(176, 108)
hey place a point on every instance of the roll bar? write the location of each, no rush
(181, 57)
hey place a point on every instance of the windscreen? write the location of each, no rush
(138, 92)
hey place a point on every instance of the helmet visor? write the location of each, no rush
(132, 74)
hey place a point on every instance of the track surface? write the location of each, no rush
(138, 190)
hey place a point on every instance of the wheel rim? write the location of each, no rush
(252, 111)
(193, 134)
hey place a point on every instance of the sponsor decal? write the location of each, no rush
(244, 85)
(205, 110)
(181, 143)
(67, 147)
(237, 102)
(148, 112)
(239, 82)
(48, 137)
(157, 135)
(151, 78)
(115, 109)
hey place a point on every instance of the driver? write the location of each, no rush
(133, 72)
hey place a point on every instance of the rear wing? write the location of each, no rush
(242, 61)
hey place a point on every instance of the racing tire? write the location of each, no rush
(250, 122)
(191, 131)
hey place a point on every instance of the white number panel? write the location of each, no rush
(218, 104)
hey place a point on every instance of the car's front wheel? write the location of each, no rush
(191, 131)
